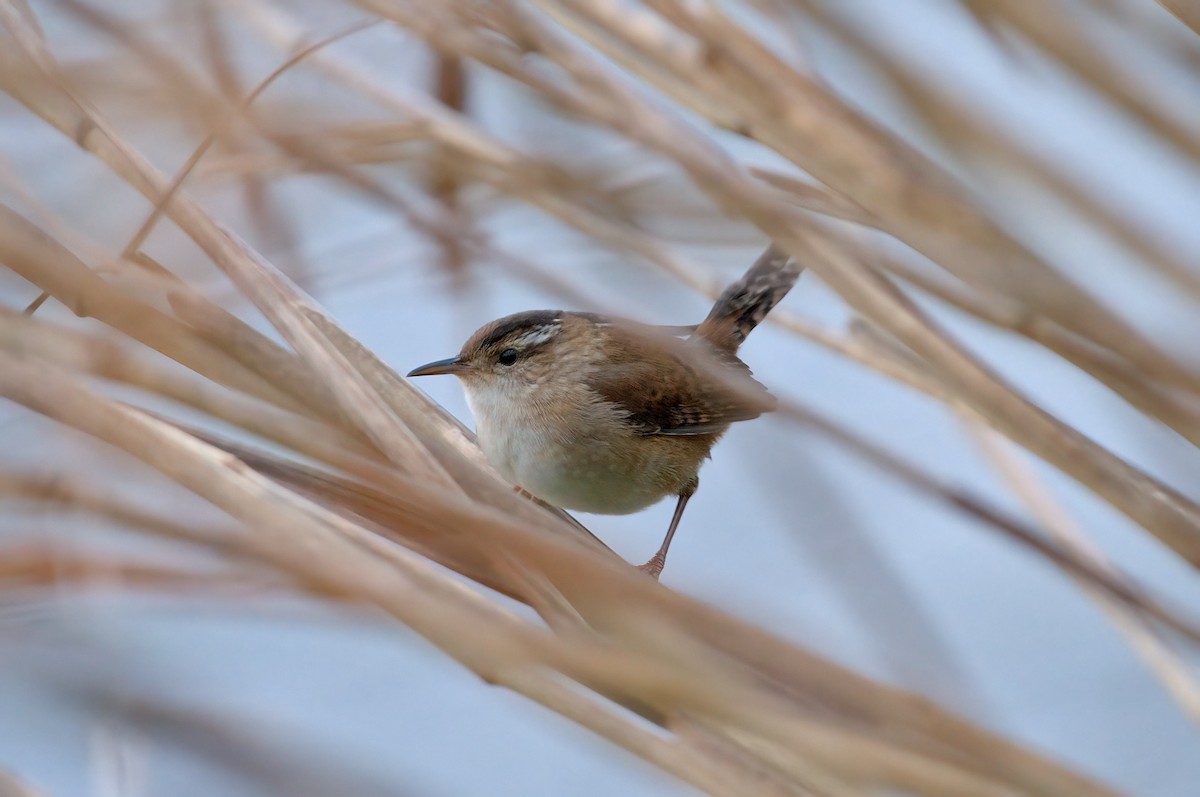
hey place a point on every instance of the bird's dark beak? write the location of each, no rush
(454, 365)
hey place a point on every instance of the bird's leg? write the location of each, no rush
(657, 562)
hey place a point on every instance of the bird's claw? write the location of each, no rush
(654, 567)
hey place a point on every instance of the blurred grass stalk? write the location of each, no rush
(709, 698)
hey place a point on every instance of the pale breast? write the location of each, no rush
(584, 459)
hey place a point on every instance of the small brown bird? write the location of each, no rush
(608, 416)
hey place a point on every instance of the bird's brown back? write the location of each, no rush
(675, 387)
(698, 386)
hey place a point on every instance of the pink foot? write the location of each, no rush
(654, 567)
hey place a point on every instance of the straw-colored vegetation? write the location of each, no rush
(340, 480)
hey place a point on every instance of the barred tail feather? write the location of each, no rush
(745, 303)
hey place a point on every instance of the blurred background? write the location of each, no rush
(1073, 126)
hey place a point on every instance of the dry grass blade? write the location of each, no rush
(221, 481)
(910, 196)
(1186, 11)
(42, 260)
(62, 493)
(43, 565)
(1155, 651)
(269, 289)
(1163, 511)
(344, 484)
(1160, 401)
(108, 359)
(272, 512)
(973, 137)
(139, 238)
(378, 506)
(11, 786)
(1049, 27)
(1061, 556)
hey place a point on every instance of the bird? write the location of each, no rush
(608, 416)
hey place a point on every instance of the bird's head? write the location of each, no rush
(518, 352)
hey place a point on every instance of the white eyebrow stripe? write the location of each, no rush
(538, 335)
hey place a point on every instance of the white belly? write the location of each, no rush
(565, 466)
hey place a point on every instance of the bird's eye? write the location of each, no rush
(508, 356)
